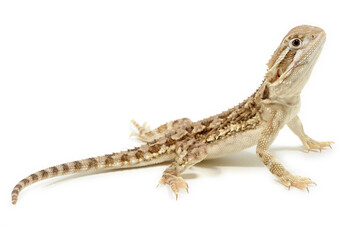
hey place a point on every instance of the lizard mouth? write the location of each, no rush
(308, 56)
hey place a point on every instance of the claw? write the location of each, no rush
(296, 181)
(176, 183)
(311, 144)
(135, 123)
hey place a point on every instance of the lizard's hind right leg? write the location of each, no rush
(145, 134)
(188, 153)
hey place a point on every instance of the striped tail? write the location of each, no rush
(128, 159)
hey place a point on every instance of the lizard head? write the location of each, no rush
(291, 64)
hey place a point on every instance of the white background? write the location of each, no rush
(73, 73)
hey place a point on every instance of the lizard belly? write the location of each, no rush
(234, 143)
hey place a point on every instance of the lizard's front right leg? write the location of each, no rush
(145, 134)
(267, 137)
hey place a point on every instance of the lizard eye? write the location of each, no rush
(295, 43)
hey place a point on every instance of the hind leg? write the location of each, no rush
(145, 134)
(188, 153)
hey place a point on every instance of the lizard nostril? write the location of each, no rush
(313, 36)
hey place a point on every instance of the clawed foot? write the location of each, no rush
(142, 130)
(175, 183)
(296, 181)
(312, 145)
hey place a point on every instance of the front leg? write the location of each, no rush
(267, 137)
(310, 144)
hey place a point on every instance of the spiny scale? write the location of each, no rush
(239, 118)
(256, 121)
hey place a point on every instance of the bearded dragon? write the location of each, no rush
(255, 121)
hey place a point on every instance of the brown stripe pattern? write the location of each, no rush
(130, 158)
(59, 170)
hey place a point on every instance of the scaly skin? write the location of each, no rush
(256, 121)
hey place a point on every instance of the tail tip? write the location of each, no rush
(14, 196)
